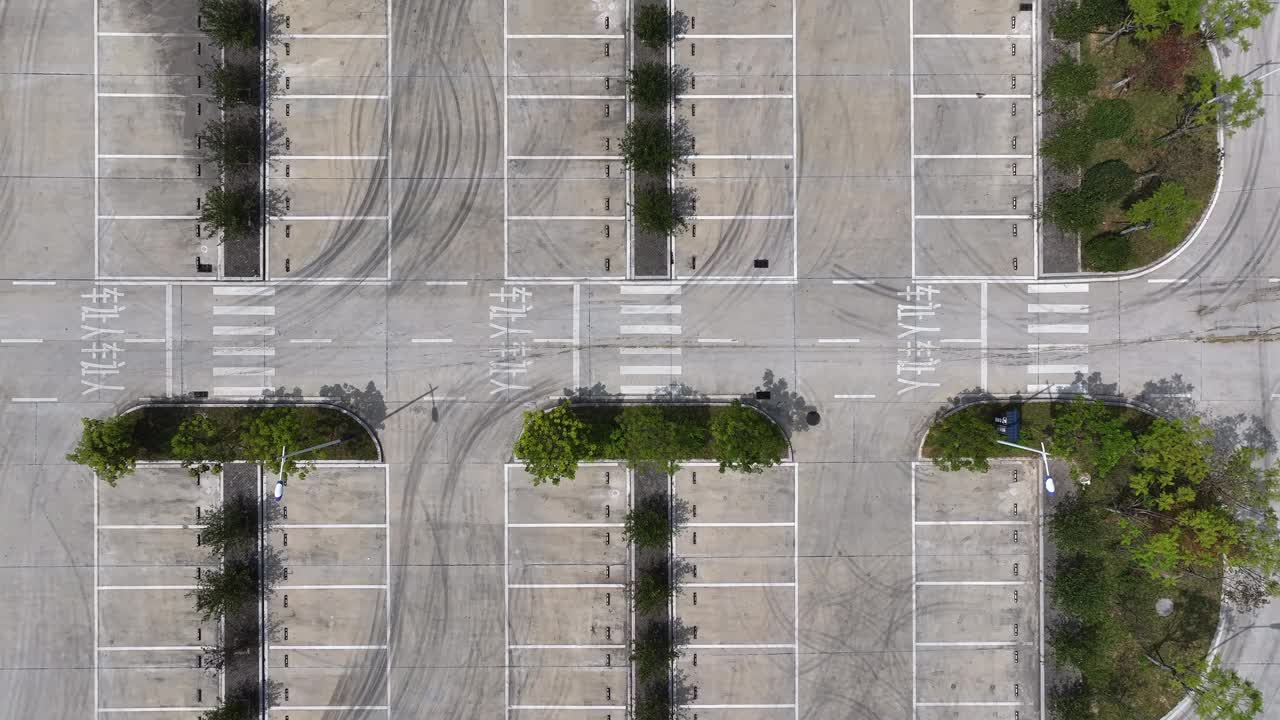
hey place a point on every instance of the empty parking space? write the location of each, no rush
(568, 617)
(327, 617)
(736, 552)
(976, 596)
(148, 637)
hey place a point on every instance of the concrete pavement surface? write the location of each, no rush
(863, 246)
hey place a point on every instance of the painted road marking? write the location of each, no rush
(1036, 329)
(650, 309)
(1057, 308)
(242, 330)
(649, 329)
(243, 371)
(244, 310)
(1059, 288)
(242, 290)
(650, 289)
(255, 351)
(648, 351)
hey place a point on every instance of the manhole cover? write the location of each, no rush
(812, 417)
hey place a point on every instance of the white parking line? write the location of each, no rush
(1057, 369)
(1051, 388)
(564, 36)
(148, 217)
(20, 341)
(35, 282)
(969, 704)
(303, 648)
(1038, 329)
(563, 157)
(565, 525)
(150, 527)
(737, 584)
(297, 158)
(252, 351)
(741, 217)
(565, 647)
(971, 157)
(166, 709)
(650, 370)
(762, 96)
(970, 36)
(146, 587)
(1175, 281)
(970, 96)
(565, 586)
(329, 526)
(618, 708)
(742, 157)
(853, 282)
(329, 218)
(782, 706)
(310, 341)
(34, 399)
(567, 218)
(566, 97)
(1057, 308)
(856, 397)
(717, 341)
(973, 217)
(738, 524)
(326, 708)
(972, 522)
(146, 95)
(151, 648)
(971, 582)
(331, 587)
(334, 36)
(735, 36)
(838, 341)
(650, 309)
(332, 97)
(741, 646)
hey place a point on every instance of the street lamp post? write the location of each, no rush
(1044, 458)
(279, 493)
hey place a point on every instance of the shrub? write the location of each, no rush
(107, 447)
(233, 24)
(234, 213)
(648, 437)
(650, 147)
(652, 26)
(1109, 252)
(651, 85)
(1108, 181)
(1083, 586)
(1073, 211)
(1109, 118)
(653, 589)
(1069, 147)
(656, 210)
(1068, 82)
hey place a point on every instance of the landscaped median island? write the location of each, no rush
(1132, 123)
(205, 437)
(1162, 510)
(653, 440)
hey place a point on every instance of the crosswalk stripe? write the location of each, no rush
(649, 329)
(258, 351)
(243, 371)
(1057, 308)
(244, 310)
(650, 369)
(1059, 288)
(650, 309)
(650, 289)
(1064, 329)
(242, 330)
(242, 290)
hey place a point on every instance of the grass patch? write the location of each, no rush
(157, 425)
(1190, 160)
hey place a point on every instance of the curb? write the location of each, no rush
(377, 442)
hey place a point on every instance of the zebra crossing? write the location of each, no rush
(242, 356)
(650, 317)
(1057, 362)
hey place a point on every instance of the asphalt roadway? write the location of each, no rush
(435, 241)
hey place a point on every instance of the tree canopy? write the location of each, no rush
(107, 447)
(745, 440)
(649, 438)
(1165, 213)
(964, 441)
(552, 444)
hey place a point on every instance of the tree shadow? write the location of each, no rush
(1169, 396)
(783, 405)
(367, 404)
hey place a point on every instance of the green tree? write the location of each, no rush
(1069, 148)
(1109, 118)
(204, 442)
(1221, 694)
(1087, 647)
(232, 142)
(1154, 18)
(1172, 455)
(1073, 701)
(1109, 252)
(235, 83)
(553, 443)
(1073, 211)
(963, 441)
(221, 592)
(1083, 586)
(1067, 83)
(652, 651)
(1229, 19)
(648, 524)
(231, 530)
(1108, 181)
(653, 589)
(1080, 526)
(656, 210)
(650, 85)
(107, 447)
(651, 147)
(650, 437)
(1092, 437)
(1166, 213)
(1214, 99)
(745, 440)
(233, 24)
(650, 705)
(653, 26)
(234, 213)
(265, 433)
